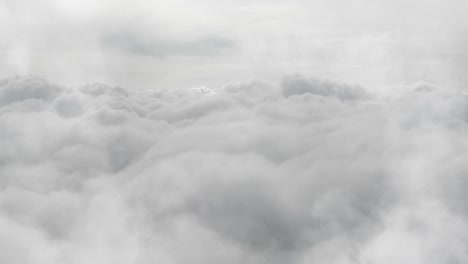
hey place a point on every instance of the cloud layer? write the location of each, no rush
(306, 171)
(179, 43)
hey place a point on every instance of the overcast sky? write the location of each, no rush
(180, 43)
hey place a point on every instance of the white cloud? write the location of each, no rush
(250, 172)
(184, 166)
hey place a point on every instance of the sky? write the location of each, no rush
(184, 43)
(256, 132)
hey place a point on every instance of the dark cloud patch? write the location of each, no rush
(297, 85)
(19, 88)
(250, 217)
(153, 46)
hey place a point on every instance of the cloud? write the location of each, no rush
(18, 89)
(297, 85)
(148, 46)
(181, 43)
(304, 171)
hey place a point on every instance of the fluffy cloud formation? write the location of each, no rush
(307, 171)
(296, 85)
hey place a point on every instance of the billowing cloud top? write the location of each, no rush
(306, 171)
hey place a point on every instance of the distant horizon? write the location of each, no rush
(176, 44)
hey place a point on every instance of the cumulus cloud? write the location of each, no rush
(296, 84)
(304, 171)
(19, 89)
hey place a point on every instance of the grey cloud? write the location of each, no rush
(190, 111)
(247, 215)
(153, 46)
(68, 106)
(297, 85)
(97, 89)
(18, 89)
